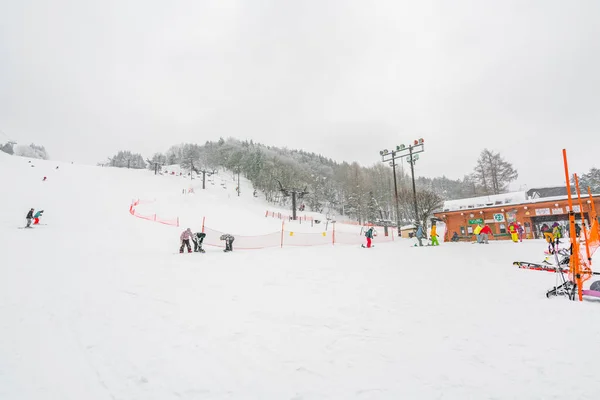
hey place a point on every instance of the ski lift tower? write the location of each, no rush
(296, 193)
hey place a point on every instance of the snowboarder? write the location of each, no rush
(512, 229)
(434, 236)
(198, 238)
(520, 231)
(477, 232)
(29, 217)
(369, 236)
(37, 216)
(420, 234)
(557, 232)
(228, 242)
(44, 180)
(485, 232)
(185, 240)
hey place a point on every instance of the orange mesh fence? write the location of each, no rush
(151, 217)
(593, 239)
(275, 239)
(291, 238)
(279, 215)
(243, 242)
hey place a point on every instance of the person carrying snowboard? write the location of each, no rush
(228, 242)
(29, 218)
(37, 216)
(198, 238)
(434, 236)
(369, 236)
(185, 240)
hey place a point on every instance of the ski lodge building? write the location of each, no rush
(532, 209)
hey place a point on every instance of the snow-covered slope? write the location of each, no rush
(96, 305)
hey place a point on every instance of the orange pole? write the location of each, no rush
(594, 216)
(203, 219)
(282, 223)
(574, 262)
(333, 235)
(585, 235)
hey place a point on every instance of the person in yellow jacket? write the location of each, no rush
(477, 232)
(434, 236)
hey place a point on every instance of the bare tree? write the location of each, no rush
(427, 202)
(492, 173)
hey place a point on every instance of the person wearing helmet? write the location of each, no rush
(29, 218)
(185, 240)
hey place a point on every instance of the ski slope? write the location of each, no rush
(97, 305)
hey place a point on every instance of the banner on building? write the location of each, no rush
(542, 211)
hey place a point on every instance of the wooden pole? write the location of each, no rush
(282, 225)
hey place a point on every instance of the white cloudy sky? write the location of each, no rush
(344, 78)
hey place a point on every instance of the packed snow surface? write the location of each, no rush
(98, 304)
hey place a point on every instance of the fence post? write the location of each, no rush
(203, 219)
(154, 217)
(267, 214)
(333, 235)
(282, 224)
(177, 221)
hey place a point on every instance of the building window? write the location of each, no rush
(462, 230)
(502, 228)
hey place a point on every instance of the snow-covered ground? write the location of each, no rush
(97, 305)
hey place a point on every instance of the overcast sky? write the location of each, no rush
(343, 78)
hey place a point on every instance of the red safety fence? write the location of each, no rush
(291, 238)
(151, 217)
(279, 215)
(274, 239)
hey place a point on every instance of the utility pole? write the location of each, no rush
(418, 146)
(411, 159)
(384, 158)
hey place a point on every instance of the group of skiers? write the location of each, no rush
(34, 217)
(198, 238)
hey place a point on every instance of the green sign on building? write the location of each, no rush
(476, 221)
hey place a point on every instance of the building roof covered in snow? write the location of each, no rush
(530, 196)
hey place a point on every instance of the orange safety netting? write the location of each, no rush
(274, 239)
(151, 217)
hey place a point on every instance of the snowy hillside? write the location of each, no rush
(98, 304)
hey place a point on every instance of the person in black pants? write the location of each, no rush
(29, 217)
(185, 240)
(228, 242)
(198, 238)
